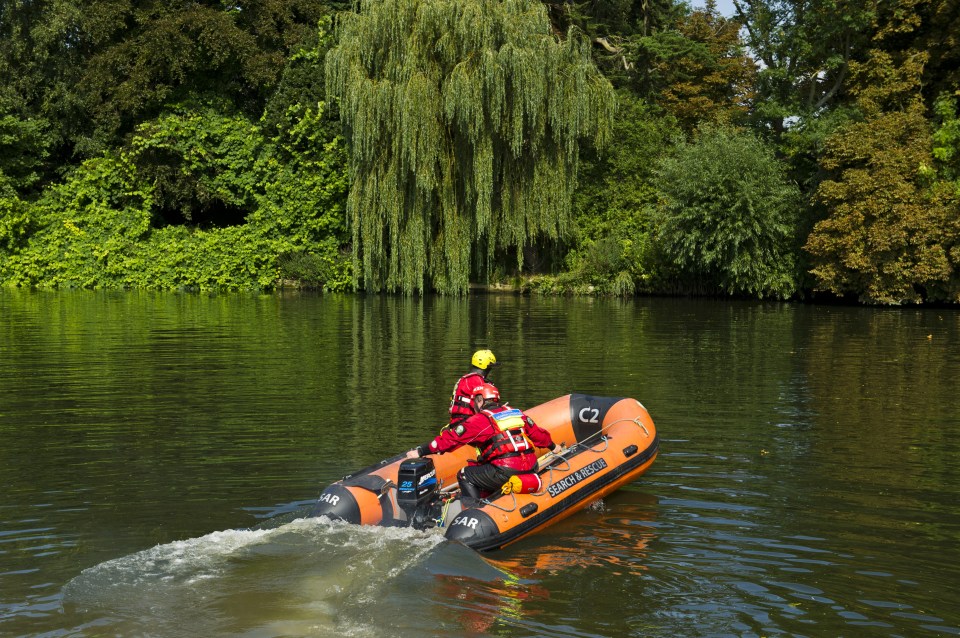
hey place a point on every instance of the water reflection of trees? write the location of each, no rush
(587, 560)
(884, 382)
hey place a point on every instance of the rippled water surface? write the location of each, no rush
(157, 453)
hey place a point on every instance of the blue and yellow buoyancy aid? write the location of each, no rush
(509, 439)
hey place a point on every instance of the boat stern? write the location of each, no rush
(473, 528)
(338, 503)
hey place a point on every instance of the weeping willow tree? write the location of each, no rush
(464, 119)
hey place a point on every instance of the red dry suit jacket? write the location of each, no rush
(463, 391)
(503, 435)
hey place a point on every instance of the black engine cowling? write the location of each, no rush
(417, 488)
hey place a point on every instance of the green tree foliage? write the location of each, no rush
(612, 25)
(303, 204)
(946, 138)
(302, 87)
(104, 227)
(306, 200)
(95, 70)
(196, 195)
(805, 47)
(201, 165)
(213, 158)
(87, 230)
(614, 202)
(892, 235)
(889, 238)
(463, 119)
(25, 134)
(23, 149)
(697, 70)
(930, 26)
(728, 219)
(157, 52)
(15, 223)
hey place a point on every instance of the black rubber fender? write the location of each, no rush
(471, 526)
(337, 503)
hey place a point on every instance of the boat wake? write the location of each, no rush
(306, 577)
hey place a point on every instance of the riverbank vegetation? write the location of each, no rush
(806, 149)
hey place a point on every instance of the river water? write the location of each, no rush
(157, 452)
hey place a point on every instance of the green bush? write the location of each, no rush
(14, 221)
(728, 219)
(103, 227)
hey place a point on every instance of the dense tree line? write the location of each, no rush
(801, 148)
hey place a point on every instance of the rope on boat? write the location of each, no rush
(502, 509)
(443, 512)
(550, 464)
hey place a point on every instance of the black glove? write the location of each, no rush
(423, 449)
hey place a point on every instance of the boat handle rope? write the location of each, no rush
(549, 481)
(550, 467)
(502, 509)
(635, 421)
(606, 445)
(546, 484)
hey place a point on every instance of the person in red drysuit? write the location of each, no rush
(469, 384)
(506, 440)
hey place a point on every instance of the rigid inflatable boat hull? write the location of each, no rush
(610, 442)
(578, 481)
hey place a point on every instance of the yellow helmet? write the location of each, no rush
(483, 359)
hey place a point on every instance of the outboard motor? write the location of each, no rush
(416, 490)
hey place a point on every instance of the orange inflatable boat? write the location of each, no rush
(608, 442)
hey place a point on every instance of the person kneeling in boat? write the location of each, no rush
(461, 400)
(506, 441)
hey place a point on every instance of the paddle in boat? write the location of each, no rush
(608, 442)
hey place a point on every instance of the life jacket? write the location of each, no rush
(460, 402)
(509, 440)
